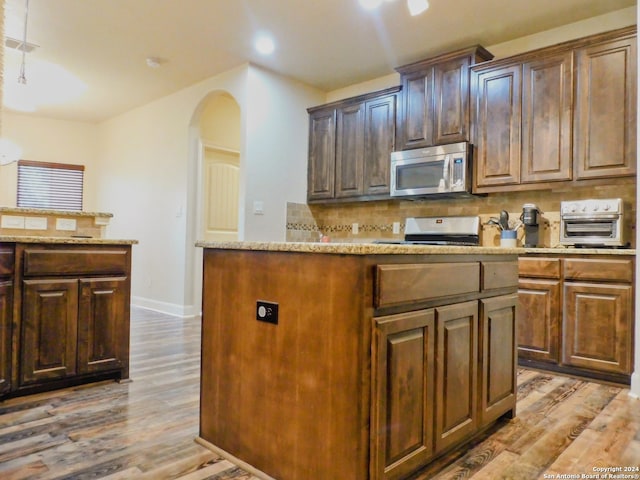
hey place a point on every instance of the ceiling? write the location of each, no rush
(328, 44)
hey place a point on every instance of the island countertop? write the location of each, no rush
(403, 249)
(65, 240)
(359, 248)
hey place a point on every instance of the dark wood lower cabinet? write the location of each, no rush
(539, 319)
(576, 314)
(6, 294)
(498, 355)
(598, 326)
(441, 374)
(64, 314)
(457, 367)
(103, 326)
(375, 369)
(49, 330)
(404, 393)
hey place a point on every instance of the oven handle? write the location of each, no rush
(592, 218)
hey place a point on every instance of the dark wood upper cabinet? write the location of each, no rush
(434, 103)
(605, 109)
(379, 142)
(497, 123)
(350, 144)
(350, 150)
(322, 148)
(546, 119)
(565, 113)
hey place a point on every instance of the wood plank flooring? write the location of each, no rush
(146, 428)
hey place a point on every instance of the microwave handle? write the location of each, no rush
(446, 170)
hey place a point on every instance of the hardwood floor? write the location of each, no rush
(146, 428)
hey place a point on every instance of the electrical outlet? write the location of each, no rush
(355, 228)
(267, 312)
(396, 227)
(12, 221)
(35, 223)
(68, 224)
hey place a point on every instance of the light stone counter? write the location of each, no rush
(43, 211)
(580, 251)
(402, 249)
(359, 248)
(65, 240)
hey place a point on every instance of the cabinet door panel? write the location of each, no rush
(402, 423)
(103, 333)
(416, 129)
(350, 151)
(457, 365)
(597, 326)
(539, 319)
(322, 154)
(497, 115)
(605, 109)
(497, 359)
(6, 294)
(49, 330)
(380, 124)
(546, 119)
(451, 101)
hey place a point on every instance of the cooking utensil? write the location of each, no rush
(504, 220)
(494, 221)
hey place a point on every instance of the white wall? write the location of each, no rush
(275, 157)
(148, 161)
(48, 140)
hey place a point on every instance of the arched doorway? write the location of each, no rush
(215, 213)
(220, 157)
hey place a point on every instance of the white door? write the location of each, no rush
(221, 189)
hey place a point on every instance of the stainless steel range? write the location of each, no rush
(442, 231)
(595, 222)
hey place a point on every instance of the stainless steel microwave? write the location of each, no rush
(439, 170)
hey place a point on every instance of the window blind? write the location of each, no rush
(56, 186)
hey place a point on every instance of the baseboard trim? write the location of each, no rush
(235, 460)
(175, 310)
(635, 385)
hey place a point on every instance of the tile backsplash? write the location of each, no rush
(307, 223)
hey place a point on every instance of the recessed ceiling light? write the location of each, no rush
(264, 44)
(416, 7)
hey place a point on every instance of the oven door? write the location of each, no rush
(591, 230)
(421, 176)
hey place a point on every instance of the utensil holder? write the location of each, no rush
(508, 238)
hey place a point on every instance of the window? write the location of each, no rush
(56, 186)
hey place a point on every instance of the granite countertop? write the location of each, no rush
(65, 240)
(580, 251)
(41, 211)
(359, 248)
(399, 249)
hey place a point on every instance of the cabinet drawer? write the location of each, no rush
(539, 267)
(499, 275)
(6, 261)
(75, 262)
(398, 284)
(599, 269)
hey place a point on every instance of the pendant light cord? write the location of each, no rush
(22, 79)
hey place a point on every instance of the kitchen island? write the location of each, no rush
(64, 311)
(356, 361)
